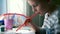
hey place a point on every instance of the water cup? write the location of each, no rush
(8, 24)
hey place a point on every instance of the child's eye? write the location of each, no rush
(35, 5)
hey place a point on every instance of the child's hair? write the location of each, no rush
(41, 0)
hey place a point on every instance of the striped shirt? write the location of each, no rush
(52, 20)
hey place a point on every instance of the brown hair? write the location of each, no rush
(40, 0)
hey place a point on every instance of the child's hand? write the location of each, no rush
(27, 21)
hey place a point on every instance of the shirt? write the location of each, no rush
(52, 20)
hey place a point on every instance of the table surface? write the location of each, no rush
(13, 31)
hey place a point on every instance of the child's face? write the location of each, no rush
(38, 7)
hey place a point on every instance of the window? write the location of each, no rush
(16, 6)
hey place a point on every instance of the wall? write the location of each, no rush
(2, 6)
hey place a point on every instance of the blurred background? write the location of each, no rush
(21, 7)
